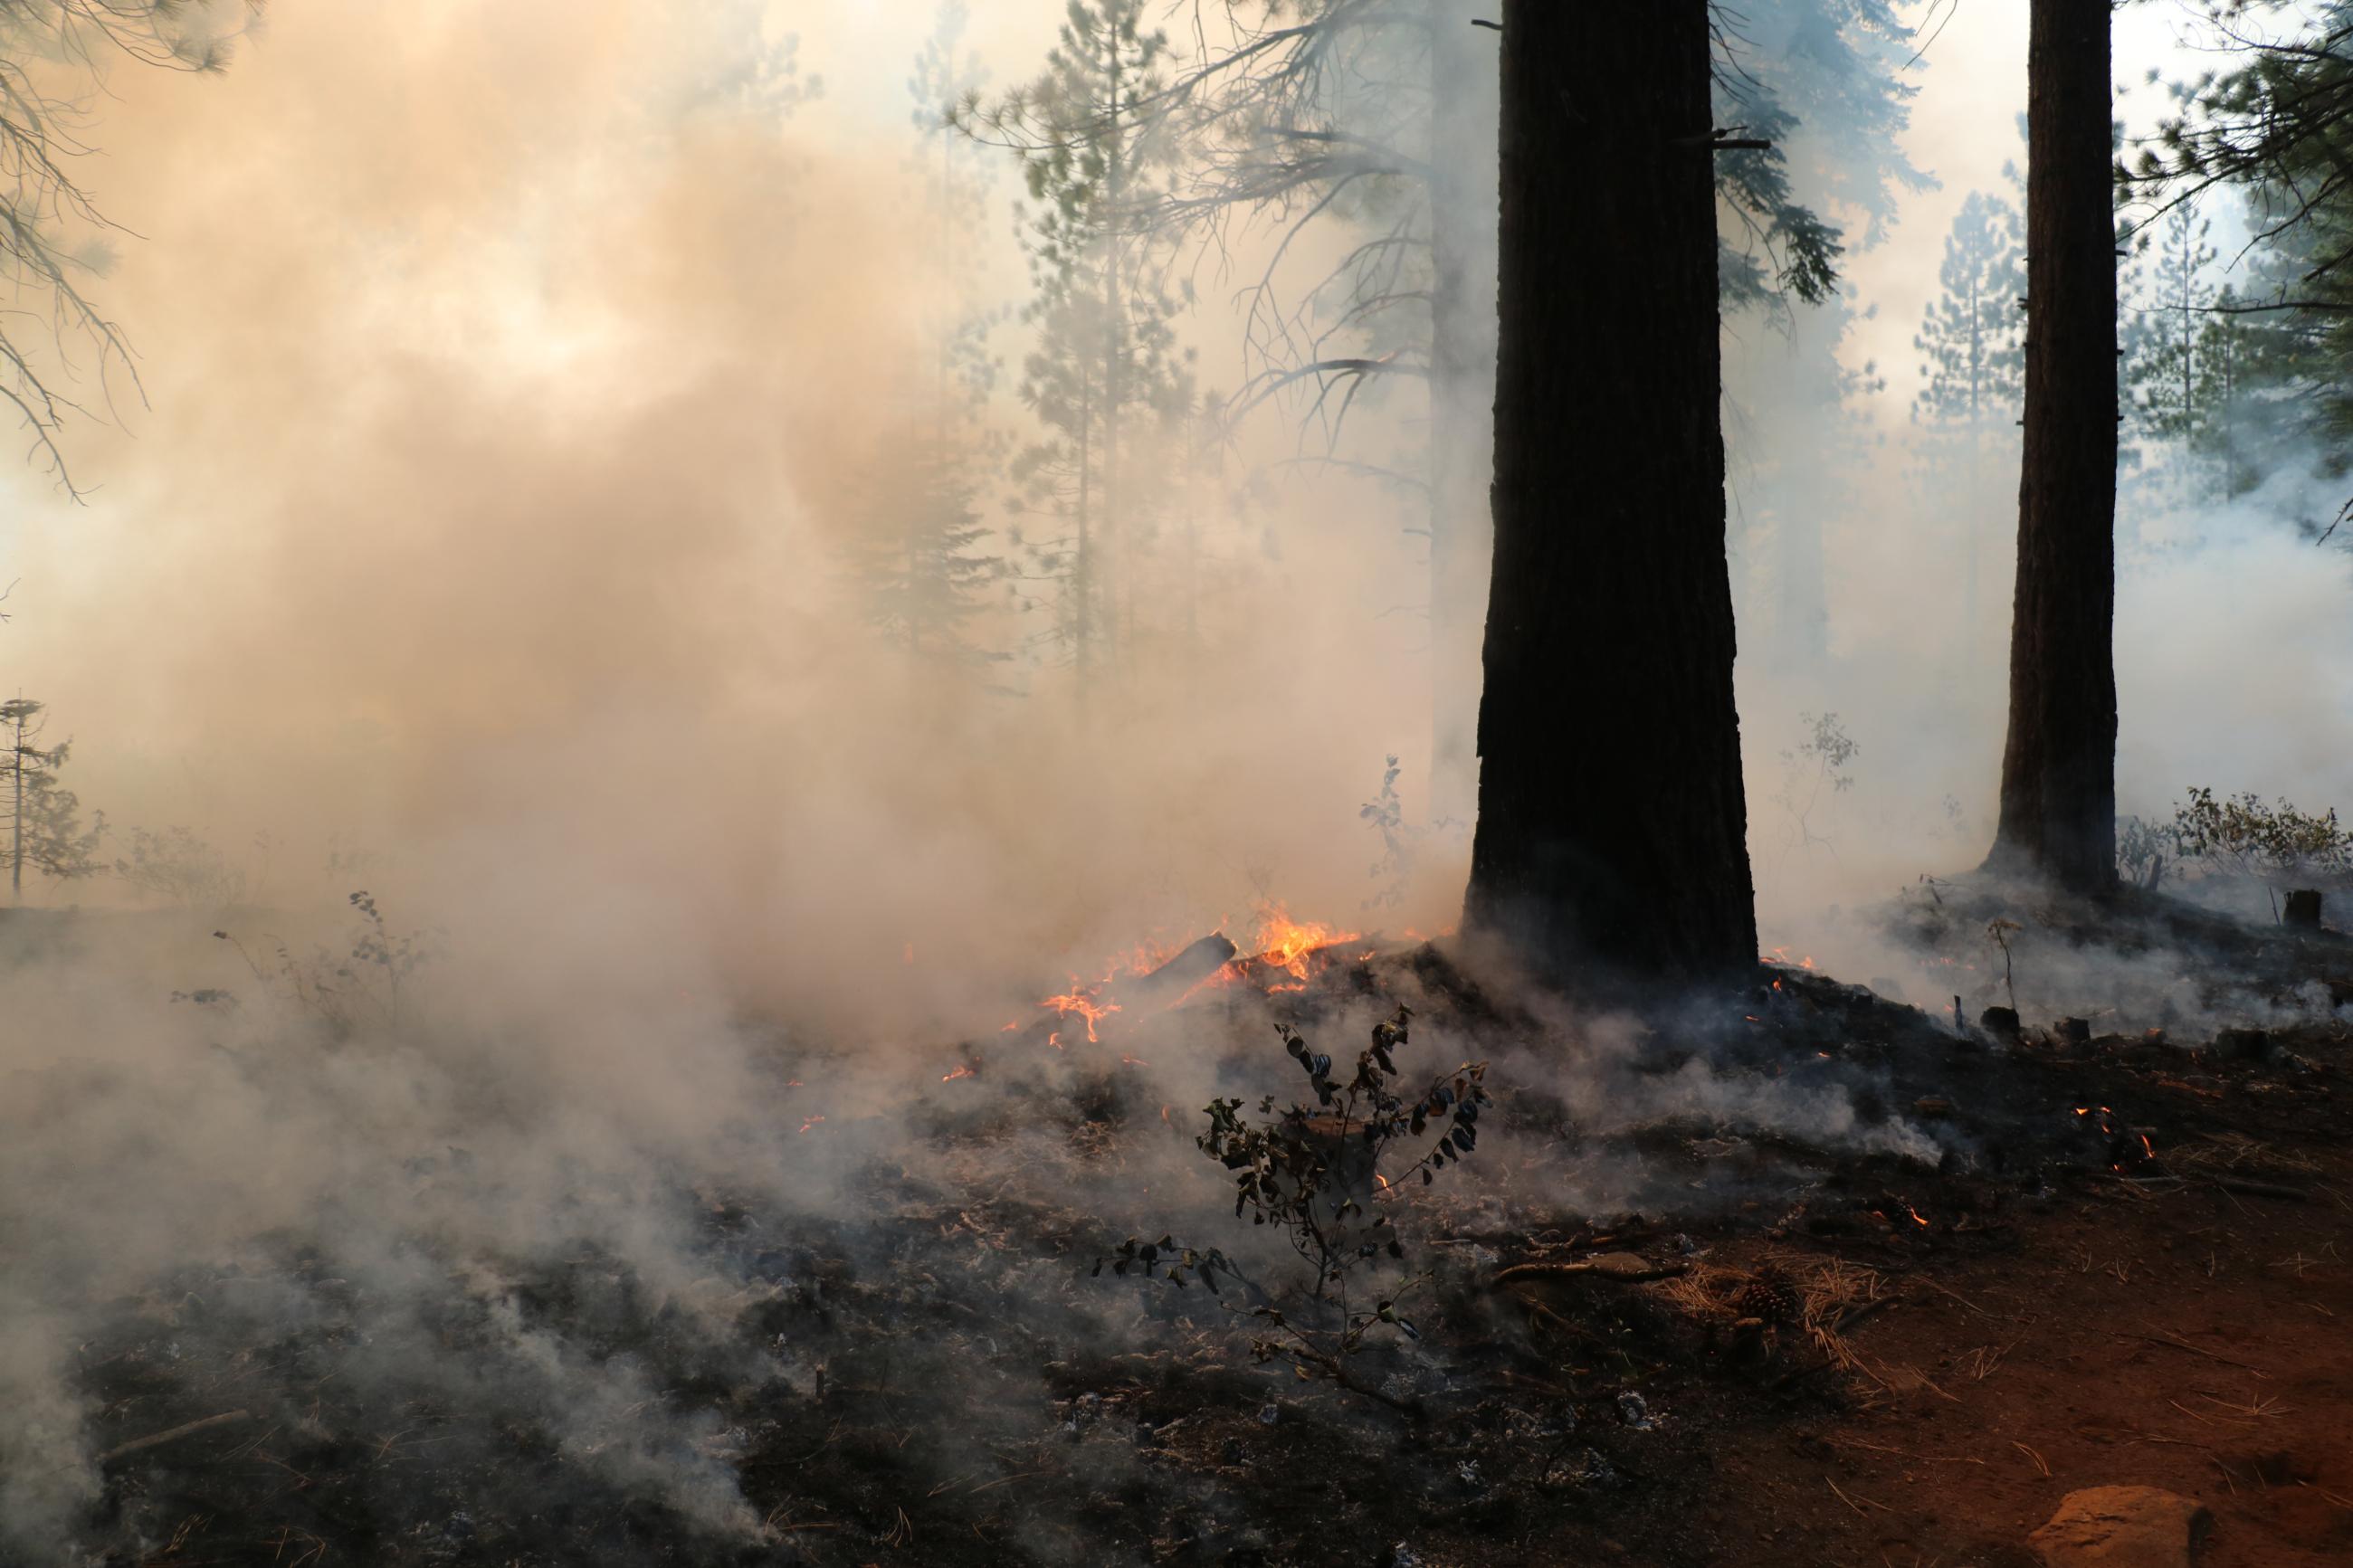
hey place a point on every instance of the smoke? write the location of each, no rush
(515, 377)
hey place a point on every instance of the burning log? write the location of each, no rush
(1194, 964)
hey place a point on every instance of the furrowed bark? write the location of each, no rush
(1613, 826)
(2058, 765)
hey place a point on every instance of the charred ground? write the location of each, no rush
(2121, 1260)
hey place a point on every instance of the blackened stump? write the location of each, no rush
(1612, 828)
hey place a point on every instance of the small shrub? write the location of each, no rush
(2275, 845)
(1310, 1173)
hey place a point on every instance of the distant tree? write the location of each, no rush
(919, 555)
(2168, 391)
(2277, 123)
(45, 827)
(1971, 343)
(1970, 337)
(179, 865)
(956, 185)
(1090, 148)
(753, 70)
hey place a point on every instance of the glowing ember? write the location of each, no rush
(1136, 1062)
(952, 1077)
(811, 1122)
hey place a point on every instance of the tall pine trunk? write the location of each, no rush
(1612, 828)
(2059, 765)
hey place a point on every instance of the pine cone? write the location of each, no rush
(1767, 1295)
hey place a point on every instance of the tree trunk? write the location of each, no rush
(1461, 390)
(2059, 766)
(1612, 828)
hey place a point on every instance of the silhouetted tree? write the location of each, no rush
(2058, 772)
(45, 830)
(1611, 817)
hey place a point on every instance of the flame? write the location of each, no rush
(908, 954)
(952, 1077)
(1917, 1218)
(1134, 1061)
(1287, 943)
(1079, 999)
(811, 1122)
(1141, 959)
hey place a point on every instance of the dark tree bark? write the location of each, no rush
(2059, 765)
(1611, 842)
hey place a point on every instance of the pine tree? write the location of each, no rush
(1090, 150)
(1971, 337)
(919, 555)
(2165, 380)
(1972, 372)
(45, 830)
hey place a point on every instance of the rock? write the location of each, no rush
(2122, 1526)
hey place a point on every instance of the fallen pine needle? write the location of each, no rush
(1851, 1502)
(2040, 1463)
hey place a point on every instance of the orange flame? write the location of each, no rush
(1287, 943)
(952, 1077)
(811, 1122)
(1079, 999)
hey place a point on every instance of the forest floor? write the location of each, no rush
(2140, 1271)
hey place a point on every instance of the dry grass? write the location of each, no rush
(2235, 1153)
(1830, 1293)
